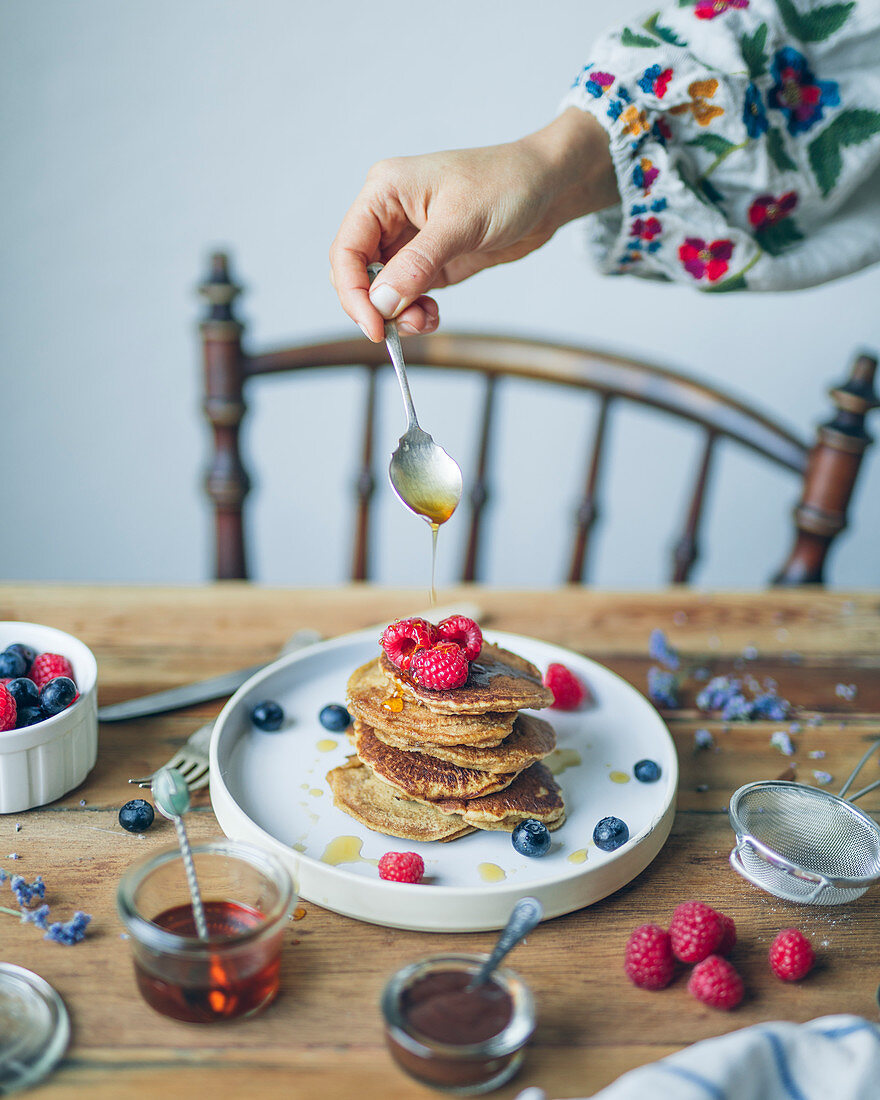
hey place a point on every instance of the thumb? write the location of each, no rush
(412, 271)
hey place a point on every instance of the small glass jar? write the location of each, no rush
(247, 896)
(464, 1069)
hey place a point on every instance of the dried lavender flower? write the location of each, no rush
(662, 687)
(660, 650)
(24, 892)
(69, 932)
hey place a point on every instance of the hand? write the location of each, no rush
(434, 220)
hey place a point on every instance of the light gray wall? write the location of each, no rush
(138, 136)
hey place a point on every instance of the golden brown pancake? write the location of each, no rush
(368, 689)
(363, 796)
(532, 739)
(497, 681)
(534, 793)
(420, 776)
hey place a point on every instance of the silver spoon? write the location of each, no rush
(526, 915)
(422, 474)
(171, 795)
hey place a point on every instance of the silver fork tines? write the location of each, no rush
(190, 760)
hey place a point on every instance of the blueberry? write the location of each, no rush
(267, 716)
(335, 717)
(24, 691)
(12, 663)
(57, 695)
(647, 771)
(136, 816)
(610, 833)
(29, 716)
(23, 651)
(531, 838)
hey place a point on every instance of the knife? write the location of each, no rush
(203, 691)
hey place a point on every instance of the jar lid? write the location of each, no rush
(34, 1027)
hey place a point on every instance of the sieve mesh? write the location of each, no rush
(810, 830)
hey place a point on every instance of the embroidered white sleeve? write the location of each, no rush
(745, 136)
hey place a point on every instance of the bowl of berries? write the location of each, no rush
(48, 714)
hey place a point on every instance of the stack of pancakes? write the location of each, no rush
(435, 765)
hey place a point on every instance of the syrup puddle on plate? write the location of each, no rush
(326, 745)
(561, 760)
(618, 777)
(345, 849)
(580, 856)
(491, 872)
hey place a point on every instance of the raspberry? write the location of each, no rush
(648, 960)
(464, 632)
(568, 691)
(715, 982)
(728, 938)
(402, 640)
(696, 931)
(8, 711)
(401, 867)
(441, 667)
(49, 665)
(791, 955)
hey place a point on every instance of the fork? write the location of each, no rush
(191, 759)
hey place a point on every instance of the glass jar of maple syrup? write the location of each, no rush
(247, 896)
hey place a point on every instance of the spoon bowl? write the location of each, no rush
(424, 477)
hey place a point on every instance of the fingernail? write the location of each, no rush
(405, 326)
(363, 329)
(385, 298)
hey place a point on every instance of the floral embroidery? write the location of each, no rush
(754, 113)
(644, 174)
(767, 210)
(646, 229)
(614, 109)
(701, 259)
(635, 121)
(661, 131)
(700, 91)
(797, 93)
(655, 80)
(598, 84)
(709, 9)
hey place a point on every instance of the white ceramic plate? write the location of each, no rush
(270, 789)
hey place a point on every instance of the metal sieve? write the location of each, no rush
(803, 843)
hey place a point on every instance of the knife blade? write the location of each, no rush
(160, 702)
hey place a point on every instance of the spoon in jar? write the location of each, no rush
(425, 478)
(171, 795)
(526, 915)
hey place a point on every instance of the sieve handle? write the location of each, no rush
(778, 861)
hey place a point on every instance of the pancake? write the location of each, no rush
(421, 776)
(534, 793)
(368, 688)
(531, 740)
(497, 681)
(363, 796)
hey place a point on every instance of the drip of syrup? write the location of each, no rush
(394, 702)
(618, 777)
(345, 849)
(491, 872)
(580, 856)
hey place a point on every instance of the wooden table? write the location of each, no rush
(322, 1037)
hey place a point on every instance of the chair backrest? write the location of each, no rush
(827, 470)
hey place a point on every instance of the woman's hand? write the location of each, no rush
(434, 220)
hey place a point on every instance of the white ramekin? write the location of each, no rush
(42, 762)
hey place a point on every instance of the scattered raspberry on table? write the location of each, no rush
(791, 955)
(401, 867)
(716, 983)
(648, 960)
(697, 931)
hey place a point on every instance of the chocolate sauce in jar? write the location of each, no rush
(441, 1007)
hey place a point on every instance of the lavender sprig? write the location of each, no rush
(65, 932)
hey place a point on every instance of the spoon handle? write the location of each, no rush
(526, 915)
(392, 342)
(192, 881)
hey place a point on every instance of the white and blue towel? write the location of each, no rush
(832, 1058)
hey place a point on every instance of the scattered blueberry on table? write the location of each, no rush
(531, 838)
(267, 716)
(136, 816)
(647, 771)
(610, 833)
(334, 717)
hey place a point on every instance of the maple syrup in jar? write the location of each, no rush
(247, 896)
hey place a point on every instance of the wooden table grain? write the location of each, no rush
(322, 1037)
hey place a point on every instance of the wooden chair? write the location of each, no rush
(827, 470)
